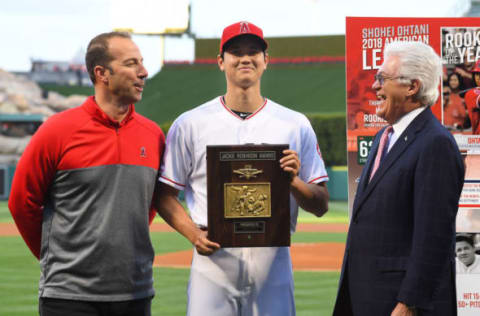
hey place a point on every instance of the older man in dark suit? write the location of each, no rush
(399, 257)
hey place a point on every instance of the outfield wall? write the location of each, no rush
(284, 47)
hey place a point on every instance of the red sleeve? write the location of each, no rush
(33, 176)
(471, 98)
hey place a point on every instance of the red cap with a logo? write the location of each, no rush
(241, 28)
(477, 66)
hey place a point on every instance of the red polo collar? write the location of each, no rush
(91, 106)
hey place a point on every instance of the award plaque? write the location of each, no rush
(248, 196)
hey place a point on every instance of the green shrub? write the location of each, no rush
(331, 134)
(165, 126)
(278, 47)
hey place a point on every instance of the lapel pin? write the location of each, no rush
(406, 138)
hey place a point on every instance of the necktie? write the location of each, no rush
(381, 150)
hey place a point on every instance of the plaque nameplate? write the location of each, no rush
(249, 227)
(247, 155)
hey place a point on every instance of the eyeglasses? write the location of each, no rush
(381, 78)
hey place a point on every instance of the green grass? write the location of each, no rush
(337, 213)
(19, 273)
(307, 88)
(5, 216)
(169, 242)
(170, 291)
(315, 292)
(314, 237)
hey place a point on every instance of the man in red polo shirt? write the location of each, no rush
(81, 194)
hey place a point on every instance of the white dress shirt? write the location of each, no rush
(401, 125)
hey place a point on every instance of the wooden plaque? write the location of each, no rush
(248, 196)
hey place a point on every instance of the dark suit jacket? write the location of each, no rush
(401, 240)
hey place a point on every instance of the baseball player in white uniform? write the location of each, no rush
(239, 281)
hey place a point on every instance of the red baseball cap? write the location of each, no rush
(241, 28)
(477, 66)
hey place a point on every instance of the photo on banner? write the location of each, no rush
(457, 41)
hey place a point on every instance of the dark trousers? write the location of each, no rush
(343, 305)
(60, 307)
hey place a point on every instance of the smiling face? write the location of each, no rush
(125, 74)
(454, 83)
(476, 78)
(465, 252)
(394, 96)
(243, 61)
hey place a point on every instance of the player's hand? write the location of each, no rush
(403, 310)
(462, 72)
(290, 163)
(204, 246)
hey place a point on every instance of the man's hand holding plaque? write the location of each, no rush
(249, 194)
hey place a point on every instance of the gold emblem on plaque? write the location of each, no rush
(243, 200)
(247, 172)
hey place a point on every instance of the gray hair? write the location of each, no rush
(420, 62)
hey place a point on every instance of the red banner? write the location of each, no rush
(457, 41)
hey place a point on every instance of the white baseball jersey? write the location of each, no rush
(237, 281)
(185, 168)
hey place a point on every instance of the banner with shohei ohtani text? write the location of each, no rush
(457, 41)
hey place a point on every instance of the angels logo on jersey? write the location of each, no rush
(143, 152)
(244, 28)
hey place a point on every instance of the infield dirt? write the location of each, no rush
(325, 256)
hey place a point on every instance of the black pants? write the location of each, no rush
(343, 305)
(60, 307)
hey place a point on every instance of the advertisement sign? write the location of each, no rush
(457, 41)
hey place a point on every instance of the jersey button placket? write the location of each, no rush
(243, 135)
(245, 274)
(240, 127)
